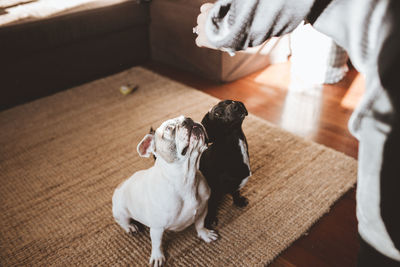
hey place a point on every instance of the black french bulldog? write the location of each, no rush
(225, 163)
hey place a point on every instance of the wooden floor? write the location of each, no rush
(318, 114)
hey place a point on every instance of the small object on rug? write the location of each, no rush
(128, 88)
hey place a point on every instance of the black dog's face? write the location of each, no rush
(223, 118)
(228, 113)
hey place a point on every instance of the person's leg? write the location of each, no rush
(376, 134)
(378, 189)
(388, 69)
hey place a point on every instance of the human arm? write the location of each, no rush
(236, 24)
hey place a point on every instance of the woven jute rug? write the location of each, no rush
(62, 157)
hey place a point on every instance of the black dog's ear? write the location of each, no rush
(209, 126)
(247, 113)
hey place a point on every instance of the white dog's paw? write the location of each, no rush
(157, 259)
(207, 235)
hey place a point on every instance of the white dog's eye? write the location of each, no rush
(169, 132)
(169, 128)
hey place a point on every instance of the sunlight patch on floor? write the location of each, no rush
(275, 76)
(302, 108)
(354, 93)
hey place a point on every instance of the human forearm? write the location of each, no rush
(238, 24)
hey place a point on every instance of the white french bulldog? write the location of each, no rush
(172, 194)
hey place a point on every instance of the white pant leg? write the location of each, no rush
(372, 135)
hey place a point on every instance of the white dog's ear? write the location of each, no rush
(146, 146)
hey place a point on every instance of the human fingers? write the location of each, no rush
(206, 7)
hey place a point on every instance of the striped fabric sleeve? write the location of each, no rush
(238, 24)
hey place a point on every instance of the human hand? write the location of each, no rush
(201, 40)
